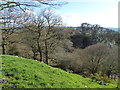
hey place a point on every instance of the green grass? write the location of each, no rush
(26, 73)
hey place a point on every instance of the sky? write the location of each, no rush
(101, 12)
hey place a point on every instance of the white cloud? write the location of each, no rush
(71, 19)
(105, 19)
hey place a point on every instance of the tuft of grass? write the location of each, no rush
(26, 73)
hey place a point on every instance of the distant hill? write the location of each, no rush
(115, 29)
(20, 72)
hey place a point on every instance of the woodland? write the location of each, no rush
(88, 50)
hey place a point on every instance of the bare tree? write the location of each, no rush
(31, 3)
(111, 63)
(52, 21)
(32, 35)
(45, 30)
(8, 26)
(95, 56)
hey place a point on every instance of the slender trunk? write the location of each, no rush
(40, 51)
(46, 52)
(115, 76)
(3, 48)
(38, 42)
(109, 73)
(34, 55)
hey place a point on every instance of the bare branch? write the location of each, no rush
(11, 4)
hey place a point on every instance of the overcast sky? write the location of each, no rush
(102, 12)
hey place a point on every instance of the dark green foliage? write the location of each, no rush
(80, 41)
(98, 34)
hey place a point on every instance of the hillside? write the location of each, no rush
(26, 73)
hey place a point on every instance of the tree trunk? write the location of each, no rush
(108, 73)
(34, 55)
(46, 52)
(40, 51)
(115, 76)
(3, 48)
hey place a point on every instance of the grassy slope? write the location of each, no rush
(21, 72)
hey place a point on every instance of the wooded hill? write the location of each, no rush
(90, 51)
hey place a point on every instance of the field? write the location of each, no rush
(20, 72)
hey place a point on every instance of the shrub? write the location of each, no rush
(13, 50)
(100, 79)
